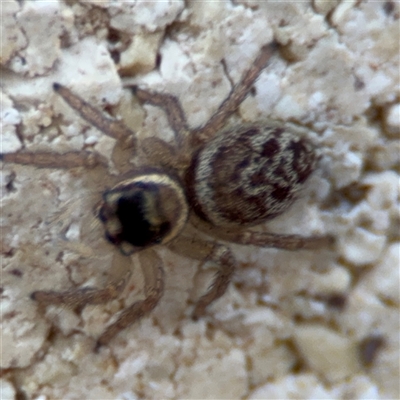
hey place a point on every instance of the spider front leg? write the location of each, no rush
(108, 126)
(67, 160)
(157, 150)
(171, 105)
(72, 159)
(153, 272)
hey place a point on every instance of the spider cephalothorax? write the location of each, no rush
(218, 180)
(145, 210)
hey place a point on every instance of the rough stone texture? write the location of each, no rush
(338, 76)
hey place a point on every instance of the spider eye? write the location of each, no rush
(144, 211)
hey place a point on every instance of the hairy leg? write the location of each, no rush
(121, 267)
(159, 152)
(67, 160)
(237, 95)
(204, 250)
(78, 298)
(108, 126)
(171, 105)
(278, 241)
(285, 242)
(72, 159)
(265, 239)
(153, 271)
(163, 154)
(227, 265)
(176, 115)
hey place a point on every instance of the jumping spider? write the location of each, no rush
(221, 184)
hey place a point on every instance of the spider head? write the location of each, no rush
(143, 211)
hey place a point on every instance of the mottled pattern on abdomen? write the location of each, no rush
(253, 174)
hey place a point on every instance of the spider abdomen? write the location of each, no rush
(249, 174)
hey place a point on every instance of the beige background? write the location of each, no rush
(292, 325)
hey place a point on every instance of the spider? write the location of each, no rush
(220, 181)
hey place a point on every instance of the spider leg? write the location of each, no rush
(108, 126)
(153, 271)
(67, 160)
(161, 153)
(205, 250)
(265, 239)
(171, 105)
(176, 116)
(237, 95)
(158, 151)
(285, 242)
(78, 298)
(222, 256)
